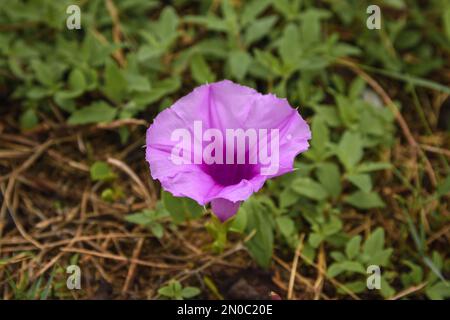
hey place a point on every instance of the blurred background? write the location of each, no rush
(80, 81)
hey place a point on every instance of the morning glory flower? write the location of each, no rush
(221, 142)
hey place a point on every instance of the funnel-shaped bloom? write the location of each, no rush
(221, 142)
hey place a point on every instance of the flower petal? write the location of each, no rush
(224, 209)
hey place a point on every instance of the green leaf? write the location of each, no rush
(146, 52)
(356, 88)
(28, 119)
(143, 218)
(269, 61)
(252, 9)
(260, 245)
(386, 289)
(137, 82)
(309, 188)
(289, 45)
(362, 181)
(352, 247)
(372, 166)
(414, 277)
(346, 266)
(190, 292)
(332, 226)
(230, 17)
(181, 209)
(315, 239)
(288, 197)
(438, 291)
(44, 73)
(200, 70)
(354, 286)
(381, 258)
(101, 171)
(330, 178)
(77, 81)
(115, 83)
(239, 62)
(96, 112)
(374, 243)
(350, 150)
(167, 291)
(210, 21)
(258, 29)
(157, 229)
(311, 25)
(286, 226)
(239, 222)
(167, 24)
(365, 200)
(320, 134)
(158, 91)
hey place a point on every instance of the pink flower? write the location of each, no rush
(221, 142)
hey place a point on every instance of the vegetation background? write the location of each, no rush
(373, 189)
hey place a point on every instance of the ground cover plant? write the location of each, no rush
(372, 189)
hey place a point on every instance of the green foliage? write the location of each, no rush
(175, 291)
(151, 219)
(358, 257)
(101, 171)
(260, 223)
(181, 209)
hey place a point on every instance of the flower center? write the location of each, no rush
(230, 174)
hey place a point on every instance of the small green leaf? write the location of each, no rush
(362, 181)
(167, 24)
(239, 222)
(200, 70)
(157, 229)
(352, 247)
(258, 29)
(77, 81)
(315, 239)
(288, 197)
(330, 178)
(309, 188)
(28, 119)
(167, 291)
(96, 112)
(101, 171)
(158, 91)
(365, 200)
(374, 243)
(115, 83)
(321, 134)
(252, 9)
(260, 245)
(350, 150)
(190, 292)
(286, 226)
(438, 291)
(143, 218)
(346, 266)
(239, 62)
(289, 46)
(372, 166)
(181, 209)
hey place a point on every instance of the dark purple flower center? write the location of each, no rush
(230, 174)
